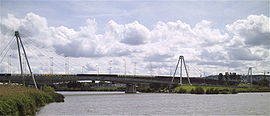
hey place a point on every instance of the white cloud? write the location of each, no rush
(202, 45)
(208, 35)
(242, 54)
(250, 39)
(4, 67)
(254, 31)
(133, 33)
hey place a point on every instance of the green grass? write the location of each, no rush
(217, 89)
(19, 100)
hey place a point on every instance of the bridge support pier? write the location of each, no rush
(130, 88)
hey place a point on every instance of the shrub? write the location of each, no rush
(197, 90)
(48, 89)
(234, 91)
(25, 101)
(224, 91)
(57, 97)
(192, 91)
(182, 90)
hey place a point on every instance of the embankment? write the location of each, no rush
(20, 100)
(218, 89)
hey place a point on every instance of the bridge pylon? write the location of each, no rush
(182, 62)
(249, 75)
(20, 44)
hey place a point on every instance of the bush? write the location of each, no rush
(48, 89)
(197, 90)
(182, 90)
(25, 101)
(57, 97)
(224, 91)
(212, 91)
(234, 91)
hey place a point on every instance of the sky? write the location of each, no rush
(146, 37)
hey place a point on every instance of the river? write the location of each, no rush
(119, 103)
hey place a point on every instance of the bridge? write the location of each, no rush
(130, 80)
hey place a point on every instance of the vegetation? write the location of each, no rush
(92, 89)
(197, 90)
(19, 100)
(219, 89)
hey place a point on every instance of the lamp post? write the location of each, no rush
(125, 66)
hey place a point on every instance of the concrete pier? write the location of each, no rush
(130, 88)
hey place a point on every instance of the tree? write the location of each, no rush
(220, 76)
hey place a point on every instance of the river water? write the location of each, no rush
(119, 103)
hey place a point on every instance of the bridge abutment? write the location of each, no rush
(130, 88)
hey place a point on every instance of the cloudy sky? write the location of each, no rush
(147, 36)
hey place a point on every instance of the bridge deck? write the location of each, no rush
(135, 79)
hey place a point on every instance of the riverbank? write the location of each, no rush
(218, 89)
(20, 100)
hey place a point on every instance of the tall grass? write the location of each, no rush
(19, 100)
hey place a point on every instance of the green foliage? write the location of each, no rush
(182, 90)
(57, 97)
(219, 90)
(224, 91)
(263, 82)
(8, 106)
(244, 85)
(48, 89)
(146, 89)
(212, 91)
(197, 90)
(234, 91)
(26, 101)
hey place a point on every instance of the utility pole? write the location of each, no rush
(158, 69)
(125, 66)
(151, 69)
(82, 69)
(97, 68)
(66, 65)
(110, 68)
(51, 65)
(170, 70)
(134, 68)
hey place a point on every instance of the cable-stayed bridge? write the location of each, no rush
(130, 80)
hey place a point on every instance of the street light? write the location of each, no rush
(97, 68)
(51, 66)
(110, 68)
(125, 66)
(134, 68)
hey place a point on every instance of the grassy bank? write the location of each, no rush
(217, 90)
(19, 100)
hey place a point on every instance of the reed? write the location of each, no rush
(19, 100)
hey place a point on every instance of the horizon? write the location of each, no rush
(145, 37)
